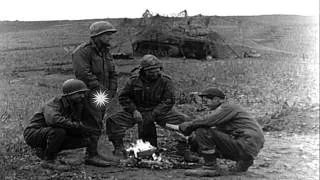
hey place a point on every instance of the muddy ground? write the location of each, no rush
(287, 154)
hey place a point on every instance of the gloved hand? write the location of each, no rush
(186, 128)
(89, 131)
(137, 116)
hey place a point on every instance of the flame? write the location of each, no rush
(100, 98)
(156, 157)
(140, 146)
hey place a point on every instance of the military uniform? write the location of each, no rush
(229, 130)
(154, 100)
(97, 69)
(55, 126)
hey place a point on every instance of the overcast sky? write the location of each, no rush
(33, 10)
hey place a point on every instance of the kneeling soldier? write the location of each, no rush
(228, 131)
(57, 126)
(147, 98)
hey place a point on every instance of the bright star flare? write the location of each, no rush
(100, 98)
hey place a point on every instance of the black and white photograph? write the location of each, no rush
(170, 89)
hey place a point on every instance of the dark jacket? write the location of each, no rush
(96, 68)
(235, 121)
(139, 94)
(57, 112)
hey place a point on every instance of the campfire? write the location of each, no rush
(141, 148)
(143, 155)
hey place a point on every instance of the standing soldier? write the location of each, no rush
(57, 126)
(227, 131)
(93, 64)
(146, 98)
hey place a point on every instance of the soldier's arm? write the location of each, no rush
(54, 117)
(125, 98)
(82, 70)
(221, 115)
(113, 85)
(167, 101)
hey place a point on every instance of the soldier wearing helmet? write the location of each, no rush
(146, 99)
(57, 125)
(94, 65)
(228, 131)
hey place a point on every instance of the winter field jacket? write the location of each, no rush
(139, 94)
(57, 112)
(236, 122)
(96, 68)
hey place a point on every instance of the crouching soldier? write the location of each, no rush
(228, 131)
(147, 98)
(57, 126)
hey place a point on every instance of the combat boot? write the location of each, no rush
(92, 158)
(97, 161)
(54, 165)
(39, 152)
(183, 149)
(189, 156)
(119, 150)
(110, 159)
(210, 159)
(242, 165)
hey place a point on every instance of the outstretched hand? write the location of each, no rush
(186, 128)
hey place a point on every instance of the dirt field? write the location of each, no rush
(280, 89)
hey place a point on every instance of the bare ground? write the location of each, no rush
(286, 155)
(291, 151)
(283, 157)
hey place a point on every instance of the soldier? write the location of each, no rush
(147, 98)
(93, 64)
(57, 126)
(228, 131)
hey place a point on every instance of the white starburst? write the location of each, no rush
(100, 98)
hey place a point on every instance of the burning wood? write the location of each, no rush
(144, 155)
(141, 148)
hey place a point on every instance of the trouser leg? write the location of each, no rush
(172, 117)
(175, 117)
(49, 139)
(207, 139)
(53, 140)
(73, 142)
(148, 133)
(36, 138)
(92, 114)
(117, 125)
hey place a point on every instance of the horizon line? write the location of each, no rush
(46, 20)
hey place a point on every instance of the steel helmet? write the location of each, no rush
(100, 27)
(72, 86)
(212, 92)
(149, 62)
